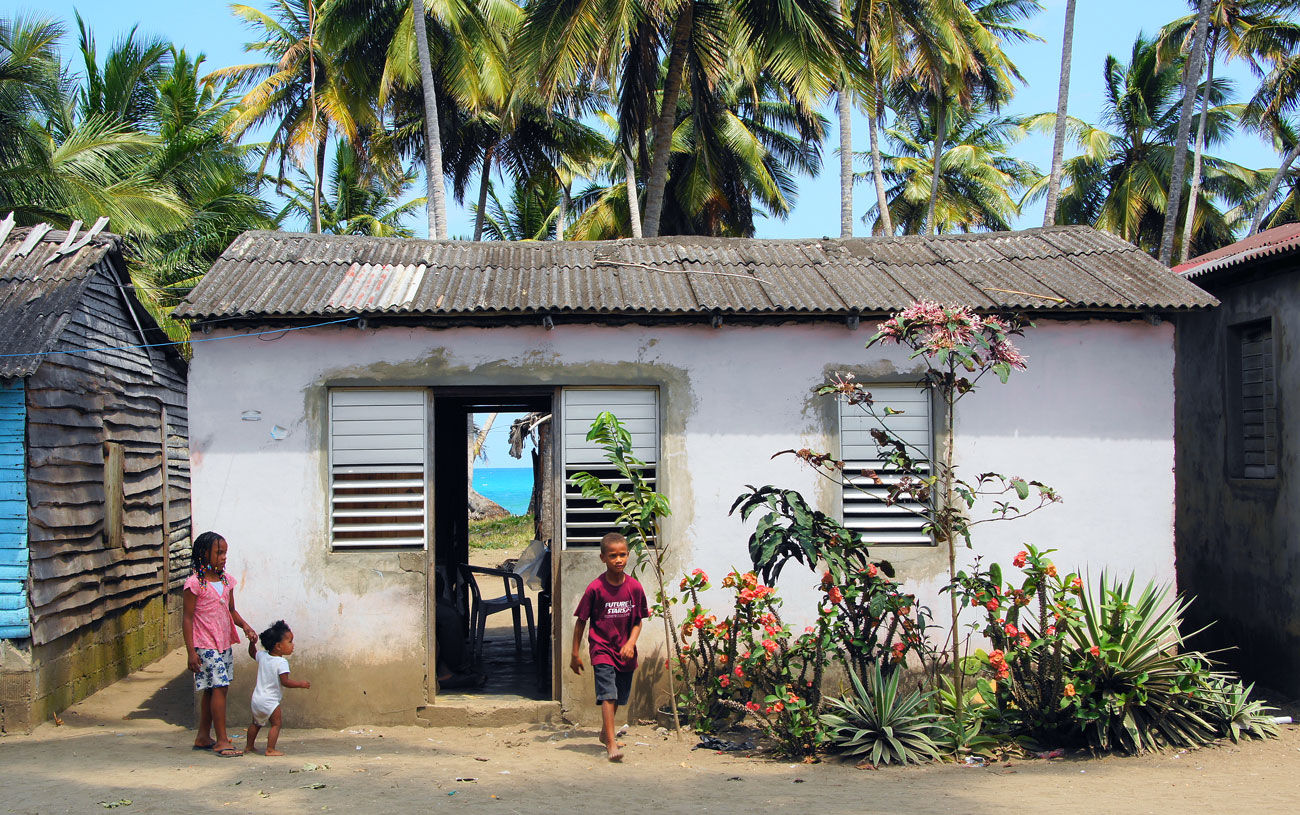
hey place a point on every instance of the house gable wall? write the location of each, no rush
(1093, 417)
(1238, 548)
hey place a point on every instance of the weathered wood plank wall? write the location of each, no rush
(13, 513)
(76, 403)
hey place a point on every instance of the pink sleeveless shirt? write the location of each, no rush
(213, 626)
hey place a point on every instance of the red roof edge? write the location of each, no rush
(1279, 239)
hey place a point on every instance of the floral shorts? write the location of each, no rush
(216, 669)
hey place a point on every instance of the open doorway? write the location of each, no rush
(492, 530)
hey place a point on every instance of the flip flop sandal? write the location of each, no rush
(228, 752)
(201, 747)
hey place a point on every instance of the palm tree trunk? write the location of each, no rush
(1062, 103)
(320, 160)
(437, 200)
(940, 136)
(877, 171)
(562, 217)
(844, 104)
(633, 205)
(1191, 78)
(320, 175)
(1291, 156)
(483, 185)
(1190, 223)
(663, 136)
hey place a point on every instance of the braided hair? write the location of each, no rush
(200, 553)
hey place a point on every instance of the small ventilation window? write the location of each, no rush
(377, 468)
(585, 521)
(863, 500)
(1253, 411)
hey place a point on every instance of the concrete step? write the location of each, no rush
(487, 710)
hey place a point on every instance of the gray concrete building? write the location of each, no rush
(1238, 434)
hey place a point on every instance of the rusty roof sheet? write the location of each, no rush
(1280, 240)
(40, 288)
(276, 274)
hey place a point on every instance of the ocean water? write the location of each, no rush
(511, 487)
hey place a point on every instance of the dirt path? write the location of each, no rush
(131, 742)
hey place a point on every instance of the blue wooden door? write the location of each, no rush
(14, 619)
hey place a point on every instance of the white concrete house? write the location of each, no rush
(709, 348)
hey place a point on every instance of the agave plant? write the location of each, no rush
(877, 720)
(1241, 715)
(1134, 688)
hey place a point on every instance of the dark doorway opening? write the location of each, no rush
(484, 585)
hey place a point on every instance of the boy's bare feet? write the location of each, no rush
(272, 752)
(612, 748)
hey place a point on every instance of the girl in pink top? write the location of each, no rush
(209, 626)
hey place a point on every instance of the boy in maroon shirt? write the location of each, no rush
(615, 605)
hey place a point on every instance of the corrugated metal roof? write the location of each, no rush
(276, 274)
(39, 290)
(1279, 240)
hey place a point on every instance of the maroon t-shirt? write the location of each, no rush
(612, 612)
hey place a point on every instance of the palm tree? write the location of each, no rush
(531, 213)
(1278, 97)
(1062, 103)
(63, 160)
(208, 171)
(980, 179)
(1253, 30)
(802, 43)
(1120, 183)
(301, 89)
(968, 67)
(735, 153)
(1191, 79)
(362, 200)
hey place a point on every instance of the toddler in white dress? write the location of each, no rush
(272, 678)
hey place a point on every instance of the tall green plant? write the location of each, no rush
(639, 508)
(879, 721)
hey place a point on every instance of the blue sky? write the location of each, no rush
(1101, 27)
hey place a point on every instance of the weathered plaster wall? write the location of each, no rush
(1238, 544)
(1093, 417)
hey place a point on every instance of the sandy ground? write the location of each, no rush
(131, 741)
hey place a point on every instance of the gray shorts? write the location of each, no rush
(612, 684)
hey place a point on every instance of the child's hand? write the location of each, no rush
(252, 650)
(575, 663)
(306, 685)
(194, 662)
(250, 634)
(628, 651)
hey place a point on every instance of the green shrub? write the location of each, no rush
(878, 721)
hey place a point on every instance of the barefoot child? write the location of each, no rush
(615, 605)
(209, 626)
(272, 679)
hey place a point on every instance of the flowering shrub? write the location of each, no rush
(750, 662)
(1027, 626)
(1099, 667)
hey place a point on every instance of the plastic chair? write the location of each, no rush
(513, 600)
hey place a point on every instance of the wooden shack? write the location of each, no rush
(94, 473)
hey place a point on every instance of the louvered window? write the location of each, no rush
(864, 505)
(377, 467)
(1257, 407)
(585, 521)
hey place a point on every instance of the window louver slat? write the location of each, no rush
(864, 504)
(377, 468)
(585, 521)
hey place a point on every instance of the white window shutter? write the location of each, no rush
(378, 453)
(864, 507)
(585, 521)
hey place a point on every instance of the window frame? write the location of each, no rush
(379, 544)
(1238, 335)
(848, 495)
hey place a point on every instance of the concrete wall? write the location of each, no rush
(1093, 417)
(39, 681)
(1238, 544)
